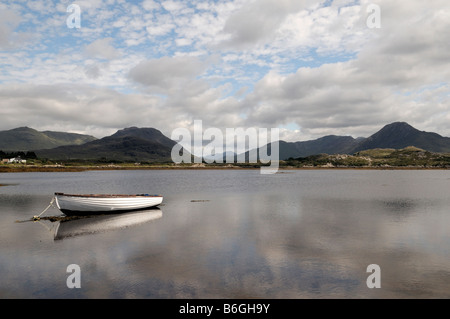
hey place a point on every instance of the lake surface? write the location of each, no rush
(232, 234)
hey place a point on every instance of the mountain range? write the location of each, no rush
(150, 145)
(396, 135)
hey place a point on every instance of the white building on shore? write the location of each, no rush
(17, 160)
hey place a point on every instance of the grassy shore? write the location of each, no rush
(409, 158)
(81, 168)
(59, 168)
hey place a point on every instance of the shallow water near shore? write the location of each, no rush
(231, 234)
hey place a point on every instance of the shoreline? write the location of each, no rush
(56, 169)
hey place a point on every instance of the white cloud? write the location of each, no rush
(256, 21)
(183, 42)
(171, 5)
(150, 5)
(169, 74)
(9, 20)
(102, 48)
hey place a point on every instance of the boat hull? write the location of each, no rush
(75, 205)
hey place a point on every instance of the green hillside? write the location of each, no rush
(127, 145)
(406, 157)
(28, 139)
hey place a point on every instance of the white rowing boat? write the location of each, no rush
(73, 205)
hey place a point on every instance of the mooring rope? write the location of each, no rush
(37, 217)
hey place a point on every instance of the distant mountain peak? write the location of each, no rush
(399, 126)
(128, 144)
(22, 128)
(133, 130)
(399, 129)
(399, 135)
(398, 123)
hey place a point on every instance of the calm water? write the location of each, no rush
(232, 234)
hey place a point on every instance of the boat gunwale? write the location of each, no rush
(107, 195)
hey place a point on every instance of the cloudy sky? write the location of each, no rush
(310, 68)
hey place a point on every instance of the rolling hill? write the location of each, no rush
(330, 144)
(27, 139)
(129, 144)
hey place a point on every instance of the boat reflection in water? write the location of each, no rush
(100, 223)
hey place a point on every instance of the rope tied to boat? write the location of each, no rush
(37, 217)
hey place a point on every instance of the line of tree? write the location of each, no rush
(23, 155)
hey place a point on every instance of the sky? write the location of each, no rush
(309, 68)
